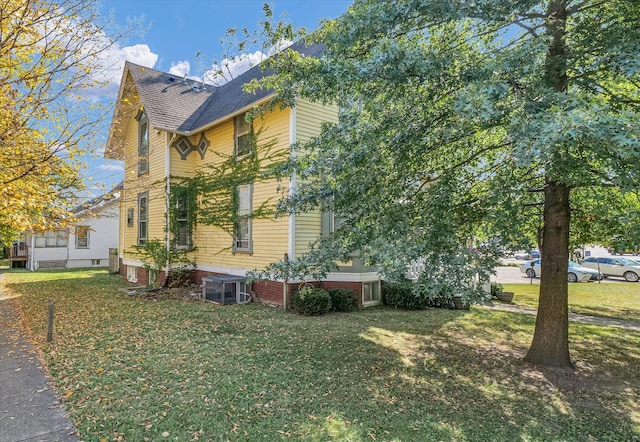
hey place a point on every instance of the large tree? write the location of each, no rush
(466, 122)
(52, 57)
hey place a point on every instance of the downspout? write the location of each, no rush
(31, 250)
(292, 218)
(167, 177)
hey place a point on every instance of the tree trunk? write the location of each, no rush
(550, 345)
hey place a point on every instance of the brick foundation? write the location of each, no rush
(267, 292)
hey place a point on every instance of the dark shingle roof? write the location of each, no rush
(174, 106)
(170, 103)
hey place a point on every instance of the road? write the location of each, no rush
(512, 275)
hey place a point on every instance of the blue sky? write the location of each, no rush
(177, 30)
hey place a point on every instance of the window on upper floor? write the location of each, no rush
(143, 142)
(143, 213)
(242, 135)
(82, 237)
(242, 227)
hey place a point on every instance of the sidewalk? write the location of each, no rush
(29, 408)
(576, 317)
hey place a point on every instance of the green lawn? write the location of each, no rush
(614, 300)
(132, 368)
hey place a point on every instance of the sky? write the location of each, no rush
(173, 33)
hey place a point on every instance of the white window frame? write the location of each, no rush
(241, 128)
(372, 286)
(79, 230)
(182, 223)
(244, 210)
(143, 218)
(143, 143)
(51, 238)
(132, 274)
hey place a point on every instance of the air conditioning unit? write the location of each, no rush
(225, 289)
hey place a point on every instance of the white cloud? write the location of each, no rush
(112, 62)
(180, 68)
(229, 68)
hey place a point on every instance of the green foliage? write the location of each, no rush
(413, 296)
(155, 256)
(311, 301)
(342, 300)
(402, 295)
(119, 362)
(212, 192)
(495, 288)
(464, 122)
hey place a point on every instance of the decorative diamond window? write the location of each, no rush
(203, 145)
(184, 147)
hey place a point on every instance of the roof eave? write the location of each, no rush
(239, 111)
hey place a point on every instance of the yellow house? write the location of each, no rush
(165, 127)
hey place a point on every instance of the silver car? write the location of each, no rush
(610, 266)
(575, 273)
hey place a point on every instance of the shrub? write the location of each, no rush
(412, 296)
(402, 295)
(343, 300)
(311, 301)
(495, 288)
(181, 276)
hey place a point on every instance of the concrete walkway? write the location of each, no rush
(627, 324)
(29, 408)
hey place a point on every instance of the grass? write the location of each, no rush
(150, 368)
(613, 300)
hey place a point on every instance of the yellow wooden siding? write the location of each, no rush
(309, 119)
(269, 236)
(152, 182)
(186, 167)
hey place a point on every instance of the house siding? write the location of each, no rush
(269, 236)
(309, 119)
(135, 184)
(213, 252)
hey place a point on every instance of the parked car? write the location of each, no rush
(534, 254)
(613, 266)
(576, 272)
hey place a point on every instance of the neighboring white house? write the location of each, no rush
(86, 244)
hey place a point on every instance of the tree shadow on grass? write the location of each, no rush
(470, 373)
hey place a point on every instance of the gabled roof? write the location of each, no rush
(183, 106)
(95, 204)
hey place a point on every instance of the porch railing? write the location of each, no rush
(18, 251)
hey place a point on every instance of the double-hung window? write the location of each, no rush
(143, 143)
(82, 237)
(242, 135)
(242, 228)
(182, 236)
(143, 213)
(51, 238)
